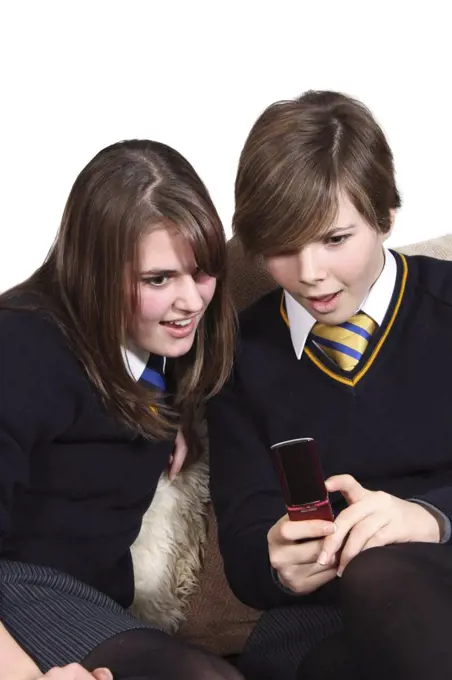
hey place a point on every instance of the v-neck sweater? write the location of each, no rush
(388, 422)
(74, 482)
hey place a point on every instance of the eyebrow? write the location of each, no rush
(159, 272)
(349, 227)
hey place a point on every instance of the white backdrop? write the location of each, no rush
(77, 76)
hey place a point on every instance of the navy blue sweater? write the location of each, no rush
(388, 422)
(74, 482)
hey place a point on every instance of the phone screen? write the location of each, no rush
(300, 473)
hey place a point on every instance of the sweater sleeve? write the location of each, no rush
(246, 498)
(440, 500)
(37, 398)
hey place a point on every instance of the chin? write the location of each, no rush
(334, 318)
(178, 349)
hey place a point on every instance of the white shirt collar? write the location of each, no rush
(375, 305)
(135, 360)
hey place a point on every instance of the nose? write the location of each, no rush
(310, 267)
(188, 298)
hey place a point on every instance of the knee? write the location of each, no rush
(374, 569)
(206, 666)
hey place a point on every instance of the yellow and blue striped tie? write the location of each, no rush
(347, 342)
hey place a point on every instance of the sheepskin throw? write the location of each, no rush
(167, 555)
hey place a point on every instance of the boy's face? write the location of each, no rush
(332, 276)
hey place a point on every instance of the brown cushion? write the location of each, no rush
(248, 278)
(216, 620)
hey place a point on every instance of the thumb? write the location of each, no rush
(351, 490)
(178, 456)
(102, 674)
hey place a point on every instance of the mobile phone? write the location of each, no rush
(300, 474)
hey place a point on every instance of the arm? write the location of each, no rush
(33, 389)
(439, 502)
(246, 498)
(255, 533)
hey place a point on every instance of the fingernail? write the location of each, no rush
(104, 674)
(323, 558)
(329, 528)
(339, 572)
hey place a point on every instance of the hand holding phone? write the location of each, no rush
(294, 549)
(300, 474)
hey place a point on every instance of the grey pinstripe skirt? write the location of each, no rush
(284, 636)
(55, 618)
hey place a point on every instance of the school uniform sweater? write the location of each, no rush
(388, 422)
(74, 482)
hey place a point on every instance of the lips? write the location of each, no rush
(323, 298)
(178, 323)
(180, 328)
(323, 304)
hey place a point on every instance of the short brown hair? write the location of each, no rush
(125, 190)
(298, 156)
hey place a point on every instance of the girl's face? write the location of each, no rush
(173, 294)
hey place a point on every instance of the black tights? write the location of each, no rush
(396, 603)
(147, 654)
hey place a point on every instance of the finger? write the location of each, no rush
(102, 674)
(348, 486)
(383, 536)
(300, 583)
(344, 522)
(72, 671)
(178, 456)
(287, 530)
(358, 537)
(294, 554)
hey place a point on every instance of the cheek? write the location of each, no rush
(206, 289)
(360, 266)
(153, 305)
(282, 270)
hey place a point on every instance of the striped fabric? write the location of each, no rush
(347, 342)
(54, 617)
(284, 636)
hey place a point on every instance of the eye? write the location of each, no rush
(337, 240)
(199, 275)
(156, 281)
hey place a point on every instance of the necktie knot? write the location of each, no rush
(346, 342)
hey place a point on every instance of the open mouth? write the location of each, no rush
(323, 298)
(178, 324)
(324, 303)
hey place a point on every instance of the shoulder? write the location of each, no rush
(264, 338)
(30, 337)
(431, 277)
(45, 384)
(29, 326)
(261, 314)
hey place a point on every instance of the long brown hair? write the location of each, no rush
(123, 191)
(297, 158)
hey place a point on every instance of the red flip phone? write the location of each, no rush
(300, 474)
